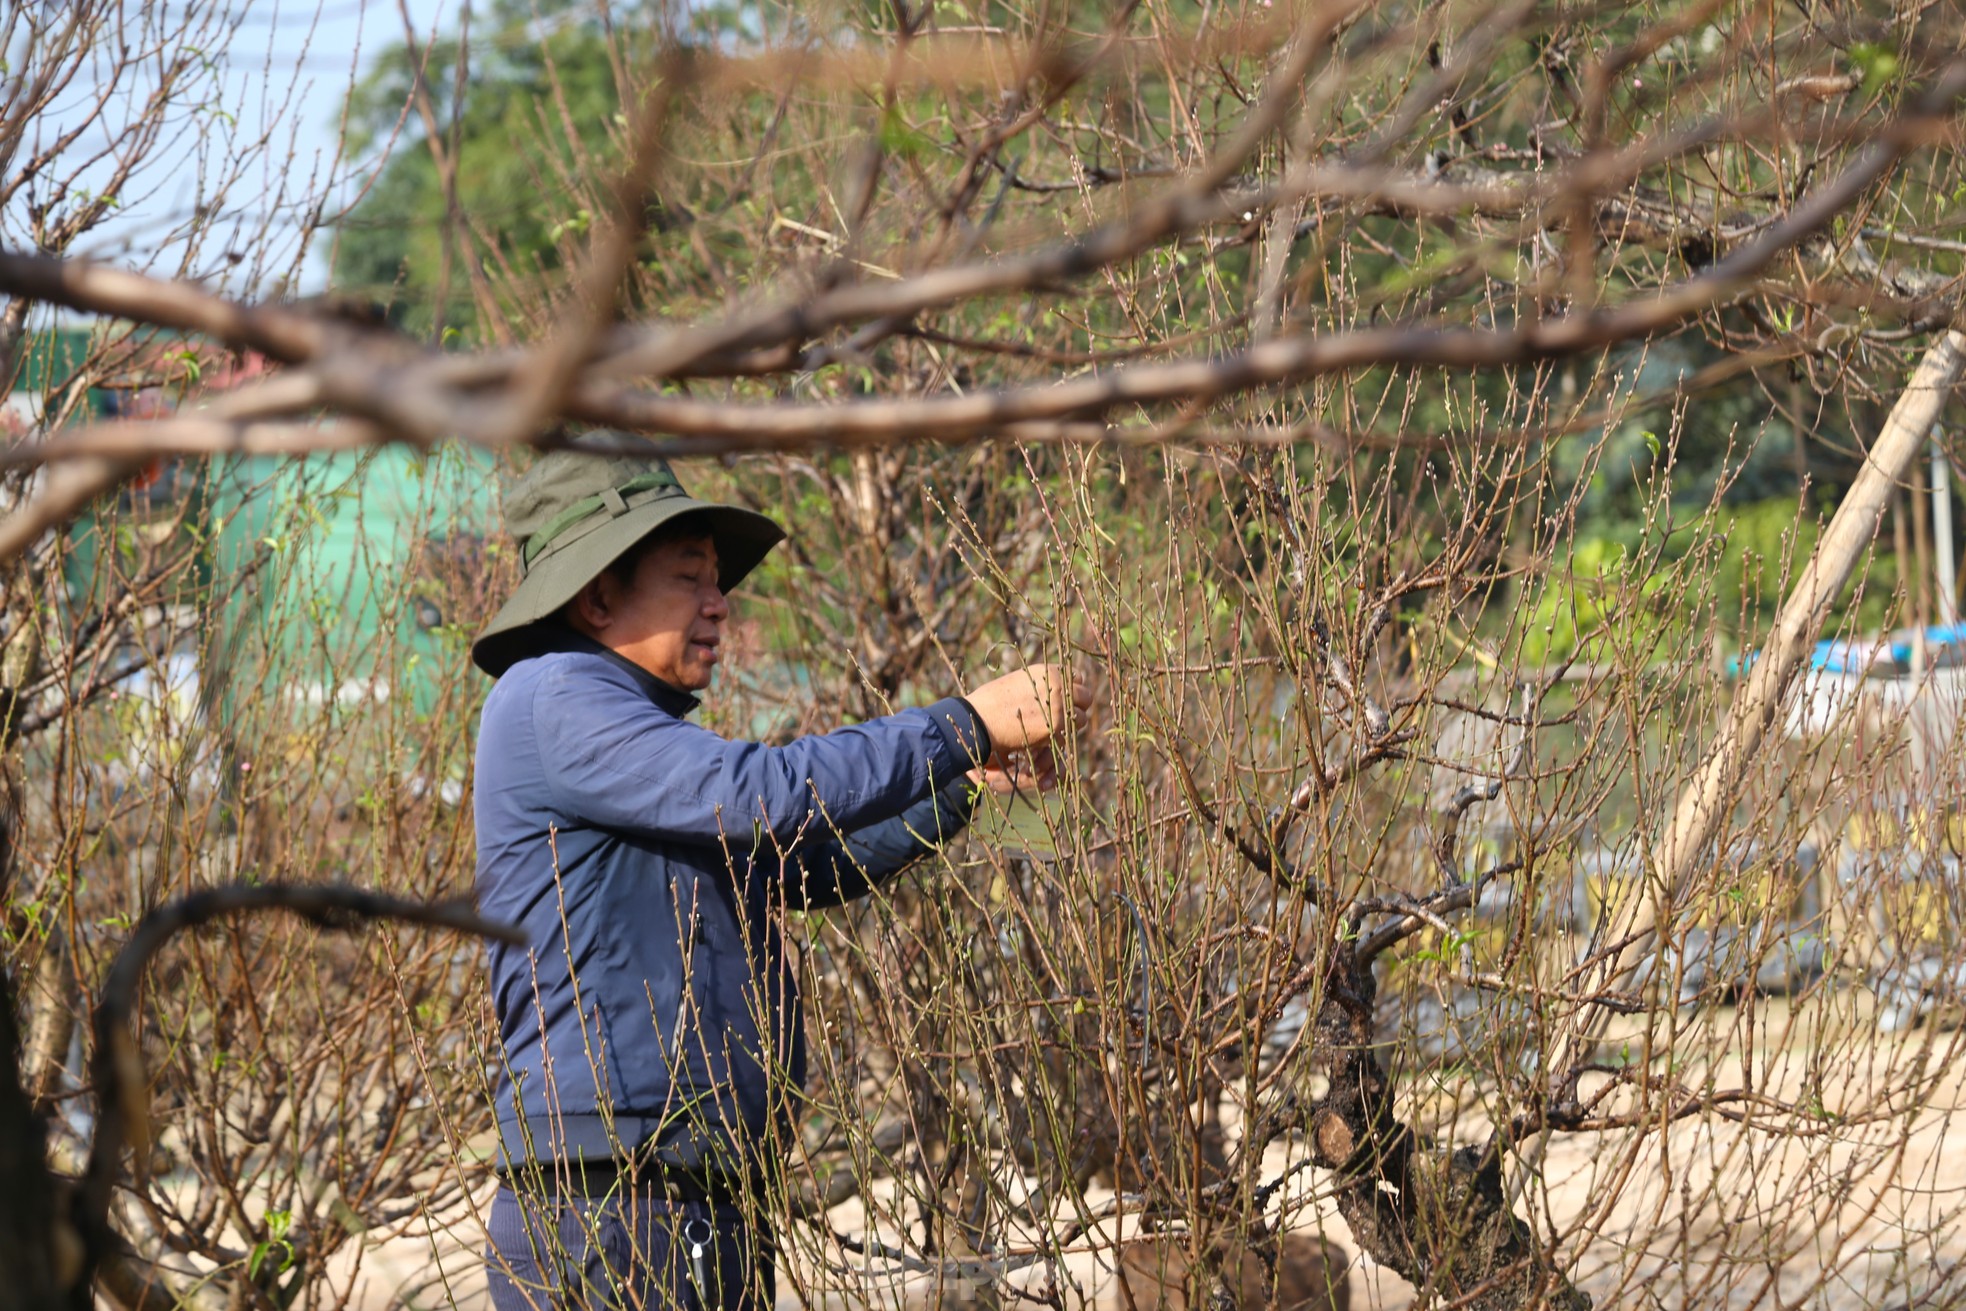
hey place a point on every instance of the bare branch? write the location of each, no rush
(123, 1117)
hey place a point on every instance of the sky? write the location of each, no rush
(278, 67)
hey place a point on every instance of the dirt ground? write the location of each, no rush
(1857, 1201)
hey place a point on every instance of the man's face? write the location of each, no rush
(670, 620)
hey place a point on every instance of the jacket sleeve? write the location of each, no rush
(616, 760)
(819, 873)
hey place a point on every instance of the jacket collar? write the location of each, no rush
(562, 637)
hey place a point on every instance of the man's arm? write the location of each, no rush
(838, 868)
(618, 762)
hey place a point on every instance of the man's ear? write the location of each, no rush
(590, 608)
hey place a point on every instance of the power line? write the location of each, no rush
(297, 11)
(530, 30)
(387, 36)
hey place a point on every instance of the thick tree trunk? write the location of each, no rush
(1439, 1218)
(37, 1259)
(39, 1254)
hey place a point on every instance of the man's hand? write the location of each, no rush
(1023, 709)
(1035, 770)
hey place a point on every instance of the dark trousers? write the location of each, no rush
(628, 1251)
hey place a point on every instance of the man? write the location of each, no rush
(651, 1027)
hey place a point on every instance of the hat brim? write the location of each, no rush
(743, 539)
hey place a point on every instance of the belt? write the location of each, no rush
(649, 1179)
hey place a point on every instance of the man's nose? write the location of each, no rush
(715, 604)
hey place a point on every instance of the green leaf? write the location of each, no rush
(577, 226)
(1878, 64)
(278, 1225)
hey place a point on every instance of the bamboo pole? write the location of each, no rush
(1707, 801)
(1948, 577)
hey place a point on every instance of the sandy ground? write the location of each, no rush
(1860, 1203)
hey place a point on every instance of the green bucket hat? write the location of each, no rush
(575, 512)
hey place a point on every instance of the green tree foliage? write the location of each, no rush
(540, 105)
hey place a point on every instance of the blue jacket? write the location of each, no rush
(649, 863)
